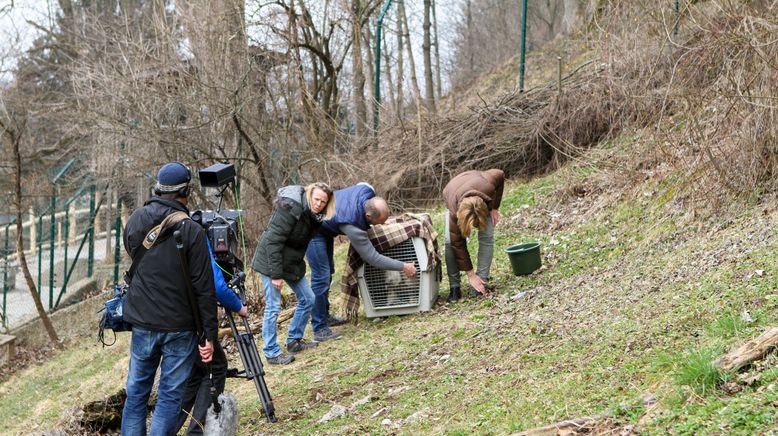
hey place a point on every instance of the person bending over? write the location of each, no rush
(472, 199)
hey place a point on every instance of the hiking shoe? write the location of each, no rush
(325, 335)
(298, 345)
(475, 294)
(281, 359)
(334, 321)
(454, 295)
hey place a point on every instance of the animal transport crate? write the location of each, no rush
(386, 293)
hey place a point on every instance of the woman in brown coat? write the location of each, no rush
(473, 199)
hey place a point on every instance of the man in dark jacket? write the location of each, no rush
(356, 209)
(158, 308)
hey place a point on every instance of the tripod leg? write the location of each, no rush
(252, 365)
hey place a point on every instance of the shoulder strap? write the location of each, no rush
(169, 221)
(151, 239)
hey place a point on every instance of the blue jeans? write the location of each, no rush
(321, 260)
(273, 307)
(177, 352)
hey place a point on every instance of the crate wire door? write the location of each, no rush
(391, 289)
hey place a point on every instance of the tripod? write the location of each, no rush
(249, 355)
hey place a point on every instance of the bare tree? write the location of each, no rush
(400, 67)
(13, 126)
(409, 50)
(429, 87)
(358, 83)
(438, 82)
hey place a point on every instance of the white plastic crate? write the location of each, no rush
(386, 293)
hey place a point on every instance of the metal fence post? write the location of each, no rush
(66, 229)
(116, 254)
(40, 250)
(52, 235)
(523, 44)
(90, 261)
(5, 276)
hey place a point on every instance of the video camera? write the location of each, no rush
(221, 226)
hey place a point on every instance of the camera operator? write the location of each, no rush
(158, 308)
(197, 395)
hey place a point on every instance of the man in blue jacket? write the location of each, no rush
(356, 209)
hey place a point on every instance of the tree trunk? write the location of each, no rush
(437, 48)
(358, 85)
(400, 66)
(429, 87)
(416, 92)
(15, 137)
(388, 70)
(409, 48)
(370, 76)
(469, 18)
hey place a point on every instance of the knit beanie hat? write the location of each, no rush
(172, 177)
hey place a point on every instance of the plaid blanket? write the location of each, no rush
(385, 236)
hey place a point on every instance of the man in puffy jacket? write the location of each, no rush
(356, 210)
(157, 305)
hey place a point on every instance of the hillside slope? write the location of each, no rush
(659, 241)
(636, 292)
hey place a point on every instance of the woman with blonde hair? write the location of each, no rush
(297, 214)
(473, 199)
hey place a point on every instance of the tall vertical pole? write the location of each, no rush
(5, 273)
(377, 85)
(116, 254)
(52, 235)
(90, 261)
(40, 250)
(523, 44)
(66, 229)
(677, 19)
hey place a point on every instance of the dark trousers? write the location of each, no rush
(197, 391)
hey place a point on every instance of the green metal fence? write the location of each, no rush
(49, 236)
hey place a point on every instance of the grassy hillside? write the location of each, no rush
(636, 296)
(658, 234)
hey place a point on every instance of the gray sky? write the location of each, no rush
(16, 35)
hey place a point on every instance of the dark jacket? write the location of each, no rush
(485, 184)
(281, 249)
(349, 209)
(157, 299)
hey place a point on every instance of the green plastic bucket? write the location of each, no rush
(525, 258)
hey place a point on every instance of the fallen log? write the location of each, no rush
(565, 427)
(747, 353)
